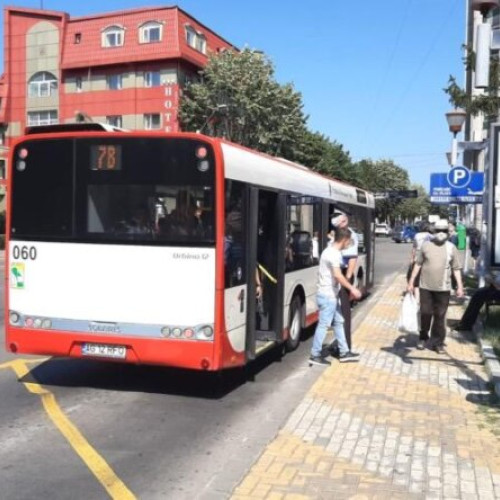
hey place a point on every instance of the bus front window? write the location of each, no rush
(163, 213)
(114, 188)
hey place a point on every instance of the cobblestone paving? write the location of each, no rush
(401, 423)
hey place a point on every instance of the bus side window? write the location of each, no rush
(303, 223)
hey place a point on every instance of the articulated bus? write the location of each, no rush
(146, 247)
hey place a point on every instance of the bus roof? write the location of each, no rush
(246, 165)
(243, 164)
(73, 127)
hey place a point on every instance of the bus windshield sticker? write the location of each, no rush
(17, 275)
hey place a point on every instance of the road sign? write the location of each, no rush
(397, 194)
(459, 185)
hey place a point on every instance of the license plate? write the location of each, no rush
(105, 351)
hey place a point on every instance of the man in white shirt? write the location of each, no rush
(330, 279)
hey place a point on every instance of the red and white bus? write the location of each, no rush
(147, 247)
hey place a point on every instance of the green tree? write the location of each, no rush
(238, 98)
(327, 157)
(487, 103)
(382, 175)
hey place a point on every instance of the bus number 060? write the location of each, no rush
(24, 253)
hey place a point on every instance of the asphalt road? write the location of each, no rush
(79, 427)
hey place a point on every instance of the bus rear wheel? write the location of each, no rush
(294, 325)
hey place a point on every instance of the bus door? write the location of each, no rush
(266, 264)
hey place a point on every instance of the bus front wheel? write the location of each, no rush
(294, 324)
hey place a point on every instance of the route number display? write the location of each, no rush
(105, 157)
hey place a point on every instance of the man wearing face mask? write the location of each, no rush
(437, 259)
(349, 260)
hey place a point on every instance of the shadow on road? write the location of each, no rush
(403, 346)
(66, 372)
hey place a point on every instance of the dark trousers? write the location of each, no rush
(433, 307)
(345, 306)
(476, 302)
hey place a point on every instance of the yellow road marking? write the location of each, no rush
(97, 465)
(9, 364)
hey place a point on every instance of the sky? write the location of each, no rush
(371, 73)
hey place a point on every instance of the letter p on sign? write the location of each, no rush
(459, 177)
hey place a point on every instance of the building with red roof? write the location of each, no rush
(125, 68)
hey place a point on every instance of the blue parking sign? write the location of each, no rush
(459, 185)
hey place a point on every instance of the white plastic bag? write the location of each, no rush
(409, 317)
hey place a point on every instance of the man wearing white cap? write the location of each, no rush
(349, 260)
(437, 259)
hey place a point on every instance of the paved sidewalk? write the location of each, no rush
(401, 423)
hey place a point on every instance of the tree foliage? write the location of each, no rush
(325, 156)
(382, 175)
(487, 103)
(238, 98)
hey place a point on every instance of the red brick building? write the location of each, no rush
(124, 68)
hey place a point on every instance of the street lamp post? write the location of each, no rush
(455, 119)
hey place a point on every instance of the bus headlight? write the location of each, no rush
(165, 331)
(177, 332)
(14, 318)
(208, 331)
(46, 324)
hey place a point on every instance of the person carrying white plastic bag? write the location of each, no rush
(409, 315)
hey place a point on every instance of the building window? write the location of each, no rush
(150, 32)
(115, 120)
(191, 37)
(113, 36)
(114, 82)
(48, 117)
(43, 84)
(196, 40)
(152, 79)
(201, 44)
(152, 121)
(79, 83)
(78, 38)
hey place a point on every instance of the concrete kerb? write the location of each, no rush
(491, 362)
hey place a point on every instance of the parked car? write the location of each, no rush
(405, 234)
(382, 229)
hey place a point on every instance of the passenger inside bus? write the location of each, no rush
(233, 244)
(182, 218)
(302, 248)
(267, 264)
(139, 222)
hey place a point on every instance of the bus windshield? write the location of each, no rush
(115, 189)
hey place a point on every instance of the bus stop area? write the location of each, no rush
(401, 423)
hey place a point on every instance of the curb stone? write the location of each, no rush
(491, 363)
